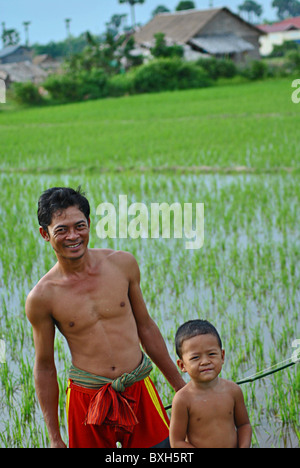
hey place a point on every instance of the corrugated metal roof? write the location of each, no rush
(285, 25)
(10, 50)
(221, 44)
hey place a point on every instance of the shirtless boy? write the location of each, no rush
(93, 297)
(209, 412)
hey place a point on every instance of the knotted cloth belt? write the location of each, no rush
(109, 405)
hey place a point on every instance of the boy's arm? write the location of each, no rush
(242, 422)
(44, 368)
(179, 422)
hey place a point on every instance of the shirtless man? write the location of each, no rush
(93, 297)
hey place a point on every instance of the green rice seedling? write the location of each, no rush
(245, 278)
(232, 126)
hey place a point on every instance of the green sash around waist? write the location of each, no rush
(93, 381)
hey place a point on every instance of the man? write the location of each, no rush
(93, 297)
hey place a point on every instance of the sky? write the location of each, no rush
(48, 16)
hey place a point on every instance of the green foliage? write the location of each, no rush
(166, 74)
(185, 5)
(84, 78)
(284, 48)
(120, 85)
(10, 37)
(104, 57)
(131, 2)
(256, 70)
(252, 8)
(250, 125)
(286, 8)
(93, 84)
(132, 60)
(217, 68)
(27, 93)
(62, 88)
(71, 45)
(161, 49)
(160, 9)
(293, 58)
(81, 86)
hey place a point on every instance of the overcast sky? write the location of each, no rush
(47, 16)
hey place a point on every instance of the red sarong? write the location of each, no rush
(101, 418)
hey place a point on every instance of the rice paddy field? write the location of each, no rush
(234, 148)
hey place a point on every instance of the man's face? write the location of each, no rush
(68, 233)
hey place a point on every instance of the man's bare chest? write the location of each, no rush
(78, 305)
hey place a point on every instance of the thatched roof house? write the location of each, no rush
(21, 72)
(46, 62)
(217, 32)
(17, 65)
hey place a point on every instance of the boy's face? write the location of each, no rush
(202, 358)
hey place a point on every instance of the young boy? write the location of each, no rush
(209, 412)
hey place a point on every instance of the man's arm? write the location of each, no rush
(149, 334)
(44, 368)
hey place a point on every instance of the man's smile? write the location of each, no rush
(73, 246)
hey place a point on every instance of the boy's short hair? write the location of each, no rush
(194, 328)
(57, 199)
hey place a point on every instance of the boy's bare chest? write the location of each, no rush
(210, 407)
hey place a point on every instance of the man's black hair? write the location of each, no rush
(57, 199)
(194, 328)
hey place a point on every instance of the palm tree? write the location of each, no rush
(26, 25)
(116, 23)
(10, 37)
(160, 9)
(286, 8)
(68, 21)
(132, 4)
(3, 31)
(251, 7)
